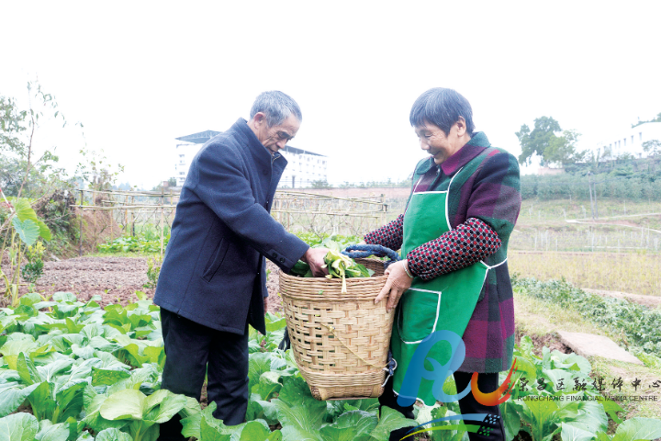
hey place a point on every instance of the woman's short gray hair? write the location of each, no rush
(277, 107)
(442, 107)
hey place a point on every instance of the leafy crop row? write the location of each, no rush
(639, 324)
(89, 373)
(146, 240)
(74, 371)
(132, 244)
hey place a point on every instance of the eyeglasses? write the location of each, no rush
(284, 136)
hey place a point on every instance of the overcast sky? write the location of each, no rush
(140, 74)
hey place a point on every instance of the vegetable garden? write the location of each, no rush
(74, 371)
(71, 369)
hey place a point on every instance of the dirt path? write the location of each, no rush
(651, 301)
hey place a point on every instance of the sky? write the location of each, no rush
(137, 75)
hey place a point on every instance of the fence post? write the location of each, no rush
(161, 223)
(126, 214)
(384, 208)
(590, 189)
(96, 234)
(80, 237)
(112, 217)
(132, 217)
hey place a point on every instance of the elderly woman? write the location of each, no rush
(463, 206)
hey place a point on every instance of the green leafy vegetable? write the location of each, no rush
(339, 266)
(18, 427)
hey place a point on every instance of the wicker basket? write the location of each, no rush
(340, 341)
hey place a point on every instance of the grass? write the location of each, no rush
(563, 225)
(543, 319)
(535, 211)
(636, 273)
(538, 318)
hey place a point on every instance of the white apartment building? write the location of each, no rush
(304, 167)
(631, 140)
(185, 150)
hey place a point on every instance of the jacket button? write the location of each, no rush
(282, 260)
(274, 255)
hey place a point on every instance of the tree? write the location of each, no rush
(652, 147)
(95, 171)
(21, 173)
(171, 182)
(548, 141)
(26, 175)
(322, 183)
(657, 119)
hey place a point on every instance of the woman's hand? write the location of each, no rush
(396, 285)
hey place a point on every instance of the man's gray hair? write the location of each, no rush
(277, 107)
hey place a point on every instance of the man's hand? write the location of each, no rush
(315, 258)
(397, 284)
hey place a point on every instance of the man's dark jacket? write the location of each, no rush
(214, 272)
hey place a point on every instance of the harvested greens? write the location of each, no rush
(339, 265)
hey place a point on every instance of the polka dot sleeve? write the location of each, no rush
(469, 243)
(390, 235)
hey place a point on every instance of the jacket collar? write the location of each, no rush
(477, 144)
(261, 154)
(470, 150)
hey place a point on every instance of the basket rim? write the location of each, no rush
(319, 283)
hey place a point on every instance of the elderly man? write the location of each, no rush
(213, 277)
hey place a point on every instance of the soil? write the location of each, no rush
(273, 302)
(552, 341)
(115, 279)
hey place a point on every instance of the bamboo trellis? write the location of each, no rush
(128, 208)
(296, 210)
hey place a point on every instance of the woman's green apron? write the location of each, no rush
(446, 302)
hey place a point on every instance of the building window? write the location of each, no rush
(625, 142)
(641, 136)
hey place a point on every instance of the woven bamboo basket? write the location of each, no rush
(340, 341)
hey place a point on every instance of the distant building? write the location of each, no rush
(304, 167)
(186, 149)
(631, 141)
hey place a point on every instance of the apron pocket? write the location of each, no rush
(417, 314)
